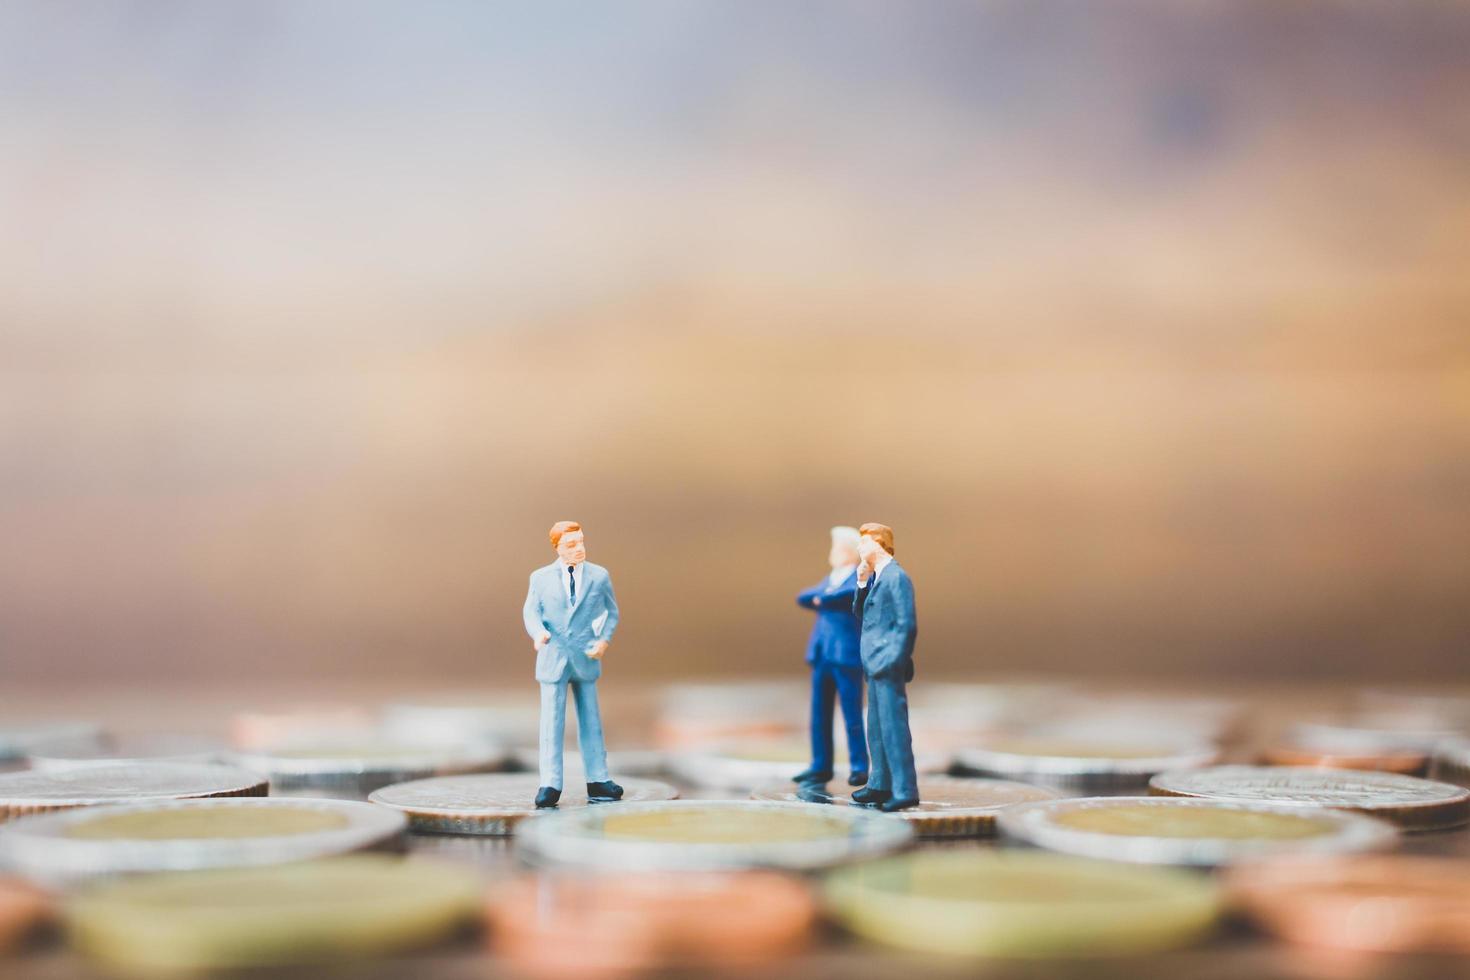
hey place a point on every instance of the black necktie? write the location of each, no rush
(572, 582)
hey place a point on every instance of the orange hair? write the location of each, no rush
(560, 528)
(881, 533)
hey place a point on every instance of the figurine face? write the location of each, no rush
(841, 556)
(869, 550)
(571, 548)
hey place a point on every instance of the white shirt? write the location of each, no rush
(881, 564)
(839, 575)
(566, 587)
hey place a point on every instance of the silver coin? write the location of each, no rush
(492, 805)
(16, 743)
(709, 835)
(65, 848)
(744, 765)
(1407, 801)
(620, 762)
(1204, 833)
(37, 792)
(354, 768)
(456, 718)
(1096, 763)
(69, 753)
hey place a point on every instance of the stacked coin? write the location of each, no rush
(709, 835)
(1360, 743)
(620, 762)
(71, 752)
(1000, 903)
(1387, 904)
(60, 849)
(715, 713)
(1408, 802)
(1093, 764)
(311, 911)
(459, 718)
(22, 909)
(949, 806)
(1184, 831)
(23, 793)
(352, 769)
(16, 743)
(620, 925)
(747, 764)
(490, 804)
(1452, 762)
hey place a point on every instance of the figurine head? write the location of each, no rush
(567, 539)
(871, 539)
(844, 547)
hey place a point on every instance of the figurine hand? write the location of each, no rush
(598, 649)
(863, 571)
(816, 600)
(541, 640)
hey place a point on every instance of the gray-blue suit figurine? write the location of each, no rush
(884, 607)
(571, 615)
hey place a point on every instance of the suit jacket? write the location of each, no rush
(834, 638)
(887, 624)
(573, 631)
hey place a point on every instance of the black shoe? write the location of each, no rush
(857, 779)
(868, 796)
(889, 806)
(606, 791)
(547, 796)
(812, 775)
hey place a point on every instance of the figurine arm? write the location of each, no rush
(612, 610)
(806, 598)
(531, 613)
(841, 600)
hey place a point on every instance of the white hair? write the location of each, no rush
(847, 536)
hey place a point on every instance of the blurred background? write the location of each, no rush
(1146, 325)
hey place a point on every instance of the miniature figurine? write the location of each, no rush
(837, 669)
(571, 614)
(884, 608)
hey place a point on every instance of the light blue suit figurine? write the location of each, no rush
(571, 615)
(884, 607)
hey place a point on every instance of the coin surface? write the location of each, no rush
(28, 792)
(1097, 763)
(1187, 831)
(71, 752)
(950, 806)
(22, 909)
(1025, 904)
(17, 742)
(1408, 802)
(353, 768)
(60, 849)
(1379, 904)
(494, 803)
(709, 835)
(307, 911)
(746, 764)
(635, 922)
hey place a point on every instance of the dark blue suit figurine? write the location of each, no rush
(884, 610)
(837, 667)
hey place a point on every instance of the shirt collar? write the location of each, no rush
(881, 564)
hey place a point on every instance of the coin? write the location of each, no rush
(1025, 904)
(28, 792)
(1186, 831)
(1410, 803)
(68, 753)
(351, 769)
(713, 713)
(59, 849)
(1379, 904)
(1095, 763)
(1452, 762)
(308, 911)
(491, 804)
(1406, 762)
(620, 762)
(709, 835)
(16, 743)
(1148, 717)
(949, 806)
(749, 763)
(22, 909)
(636, 922)
(459, 717)
(264, 728)
(952, 715)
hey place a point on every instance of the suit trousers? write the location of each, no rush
(889, 742)
(831, 682)
(553, 729)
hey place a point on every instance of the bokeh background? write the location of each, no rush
(1145, 324)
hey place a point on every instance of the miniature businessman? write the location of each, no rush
(571, 615)
(837, 669)
(884, 609)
